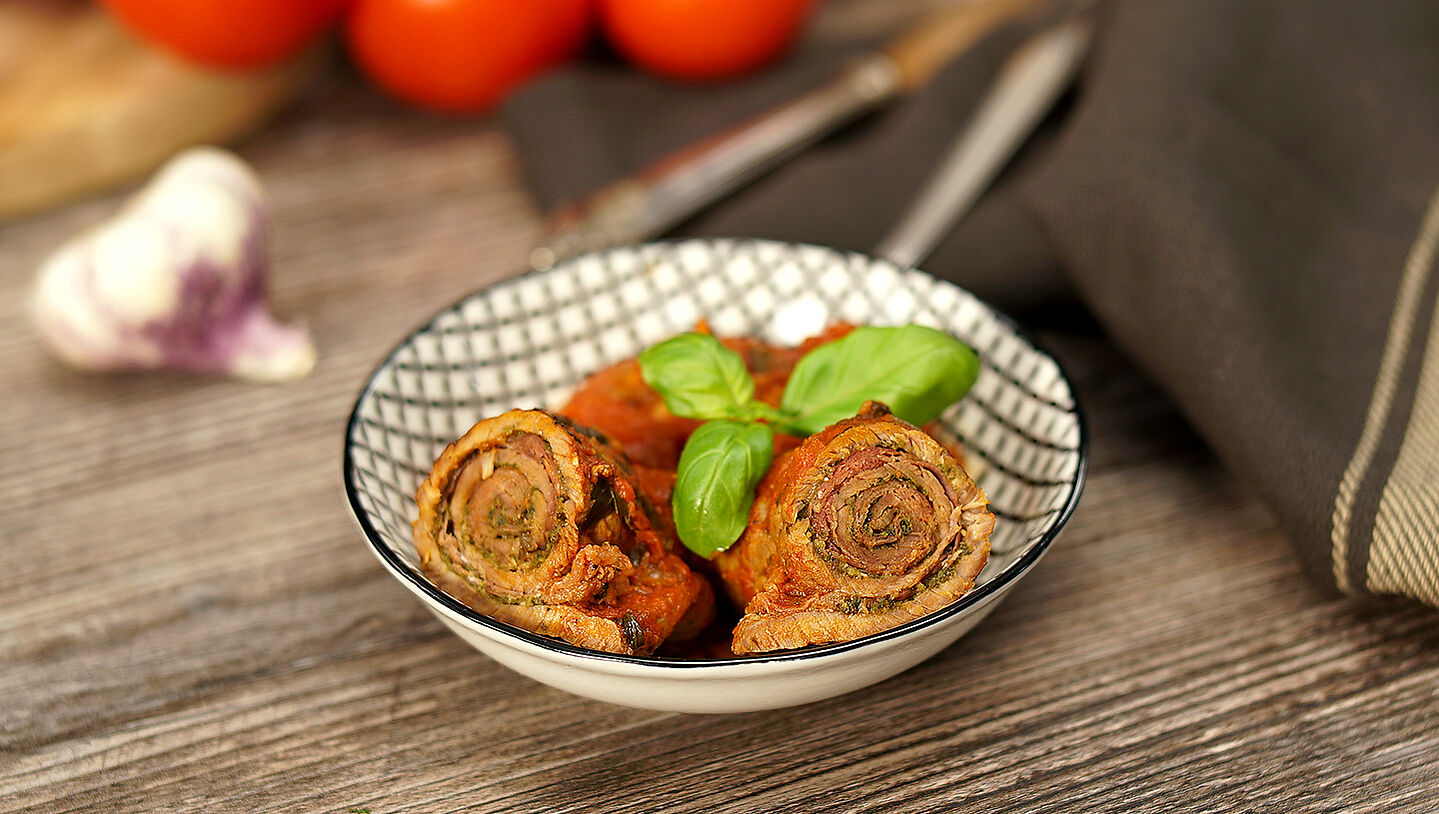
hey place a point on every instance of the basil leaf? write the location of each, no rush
(916, 371)
(720, 465)
(698, 377)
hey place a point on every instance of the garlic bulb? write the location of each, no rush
(176, 279)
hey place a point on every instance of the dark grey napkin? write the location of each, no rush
(1243, 194)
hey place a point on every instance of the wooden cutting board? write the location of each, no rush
(85, 105)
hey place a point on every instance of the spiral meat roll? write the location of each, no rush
(865, 526)
(537, 522)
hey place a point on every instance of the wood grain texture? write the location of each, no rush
(192, 622)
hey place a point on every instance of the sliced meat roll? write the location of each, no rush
(537, 522)
(865, 526)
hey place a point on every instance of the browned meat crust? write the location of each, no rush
(865, 526)
(537, 523)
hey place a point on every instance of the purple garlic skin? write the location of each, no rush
(176, 279)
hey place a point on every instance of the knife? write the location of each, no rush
(671, 190)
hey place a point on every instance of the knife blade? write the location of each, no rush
(1029, 83)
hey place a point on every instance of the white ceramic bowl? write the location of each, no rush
(528, 341)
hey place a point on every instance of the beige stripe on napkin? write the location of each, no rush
(1404, 554)
(1417, 267)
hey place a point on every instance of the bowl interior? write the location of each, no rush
(528, 341)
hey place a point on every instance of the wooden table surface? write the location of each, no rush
(191, 621)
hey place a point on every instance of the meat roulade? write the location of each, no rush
(537, 522)
(865, 526)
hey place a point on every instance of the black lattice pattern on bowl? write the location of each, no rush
(528, 341)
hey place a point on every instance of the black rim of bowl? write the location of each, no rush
(976, 596)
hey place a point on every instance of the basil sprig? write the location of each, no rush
(698, 377)
(720, 465)
(916, 371)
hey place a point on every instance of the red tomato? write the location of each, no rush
(702, 39)
(463, 55)
(228, 33)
